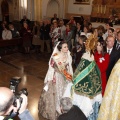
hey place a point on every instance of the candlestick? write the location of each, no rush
(98, 9)
(101, 9)
(105, 9)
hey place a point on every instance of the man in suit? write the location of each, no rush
(114, 54)
(117, 42)
(54, 18)
(70, 111)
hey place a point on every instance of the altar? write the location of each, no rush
(104, 10)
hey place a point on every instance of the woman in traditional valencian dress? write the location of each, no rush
(54, 34)
(110, 107)
(58, 76)
(86, 87)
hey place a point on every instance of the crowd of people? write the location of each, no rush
(95, 51)
(82, 64)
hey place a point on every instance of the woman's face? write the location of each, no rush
(90, 26)
(85, 30)
(55, 25)
(78, 25)
(67, 27)
(110, 33)
(80, 41)
(64, 48)
(41, 23)
(25, 25)
(99, 47)
(96, 33)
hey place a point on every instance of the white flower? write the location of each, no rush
(101, 59)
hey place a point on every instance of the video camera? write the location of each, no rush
(14, 82)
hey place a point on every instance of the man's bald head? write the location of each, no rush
(110, 42)
(6, 99)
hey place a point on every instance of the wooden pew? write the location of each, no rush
(12, 42)
(8, 46)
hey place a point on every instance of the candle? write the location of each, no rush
(98, 9)
(101, 8)
(105, 9)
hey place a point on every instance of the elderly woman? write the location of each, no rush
(70, 111)
(26, 37)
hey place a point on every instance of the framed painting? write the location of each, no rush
(82, 2)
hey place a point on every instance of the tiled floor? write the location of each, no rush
(32, 69)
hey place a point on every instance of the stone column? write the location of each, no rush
(38, 9)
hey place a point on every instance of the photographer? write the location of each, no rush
(7, 99)
(70, 111)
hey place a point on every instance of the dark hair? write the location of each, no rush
(118, 32)
(79, 23)
(83, 38)
(110, 24)
(89, 24)
(59, 47)
(69, 25)
(6, 26)
(104, 50)
(111, 29)
(6, 105)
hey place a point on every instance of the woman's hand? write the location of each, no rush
(67, 75)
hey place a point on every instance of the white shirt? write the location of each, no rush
(1, 117)
(6, 35)
(109, 50)
(118, 43)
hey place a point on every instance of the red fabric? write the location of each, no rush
(67, 31)
(103, 67)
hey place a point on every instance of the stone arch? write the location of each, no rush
(53, 6)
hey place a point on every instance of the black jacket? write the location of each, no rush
(73, 114)
(44, 32)
(114, 56)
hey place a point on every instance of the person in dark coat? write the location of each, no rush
(26, 37)
(54, 18)
(44, 36)
(14, 31)
(79, 49)
(25, 19)
(114, 54)
(117, 42)
(70, 111)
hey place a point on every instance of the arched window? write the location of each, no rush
(24, 4)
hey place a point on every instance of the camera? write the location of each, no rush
(14, 82)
